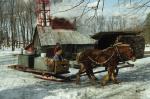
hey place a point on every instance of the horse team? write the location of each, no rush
(109, 58)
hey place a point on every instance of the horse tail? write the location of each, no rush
(78, 57)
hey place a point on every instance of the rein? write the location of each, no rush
(102, 62)
(116, 50)
(118, 53)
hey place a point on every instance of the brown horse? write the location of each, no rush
(109, 58)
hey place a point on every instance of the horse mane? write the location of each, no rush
(78, 56)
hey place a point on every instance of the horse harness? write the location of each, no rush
(102, 62)
(118, 54)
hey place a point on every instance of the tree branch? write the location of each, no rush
(82, 1)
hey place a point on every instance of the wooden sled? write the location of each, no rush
(56, 76)
(49, 78)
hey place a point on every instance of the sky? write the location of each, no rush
(111, 8)
(125, 9)
(108, 7)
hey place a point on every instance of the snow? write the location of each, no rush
(135, 83)
(147, 47)
(7, 51)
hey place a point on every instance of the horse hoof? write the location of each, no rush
(116, 74)
(96, 79)
(77, 83)
(117, 82)
(93, 82)
(103, 83)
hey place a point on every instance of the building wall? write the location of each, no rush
(69, 51)
(37, 45)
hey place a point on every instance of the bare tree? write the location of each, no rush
(16, 22)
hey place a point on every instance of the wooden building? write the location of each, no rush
(136, 41)
(45, 39)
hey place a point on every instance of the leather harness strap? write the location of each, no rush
(118, 53)
(116, 50)
(102, 62)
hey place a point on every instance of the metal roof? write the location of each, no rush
(99, 34)
(48, 36)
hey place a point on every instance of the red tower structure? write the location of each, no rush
(43, 12)
(44, 18)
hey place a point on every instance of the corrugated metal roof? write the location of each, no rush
(51, 37)
(100, 34)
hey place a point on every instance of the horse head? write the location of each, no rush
(125, 51)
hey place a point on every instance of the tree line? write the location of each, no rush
(17, 21)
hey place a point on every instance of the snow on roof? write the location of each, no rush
(51, 37)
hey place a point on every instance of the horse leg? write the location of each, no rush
(85, 68)
(106, 78)
(89, 70)
(113, 76)
(116, 71)
(81, 70)
(90, 73)
(92, 79)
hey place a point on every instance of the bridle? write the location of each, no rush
(118, 53)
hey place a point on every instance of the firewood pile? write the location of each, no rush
(136, 42)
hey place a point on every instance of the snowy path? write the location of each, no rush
(18, 85)
(11, 60)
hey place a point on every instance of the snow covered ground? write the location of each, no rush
(19, 85)
(147, 47)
